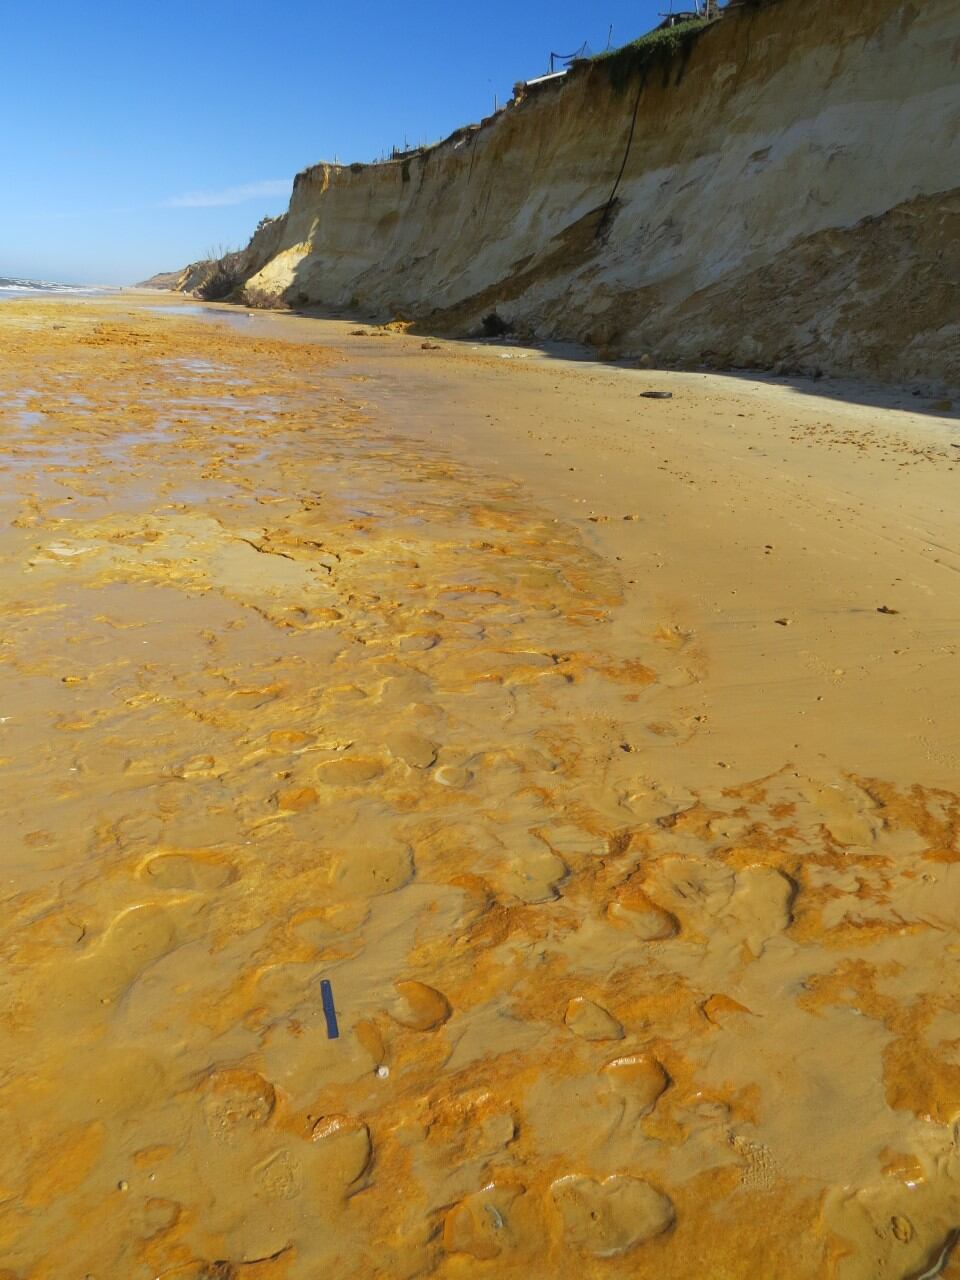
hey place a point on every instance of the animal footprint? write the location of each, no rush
(752, 905)
(531, 871)
(365, 871)
(632, 906)
(761, 904)
(421, 1008)
(296, 799)
(608, 1219)
(479, 1225)
(413, 749)
(590, 1021)
(346, 1147)
(280, 1177)
(237, 1100)
(694, 887)
(188, 871)
(640, 1077)
(134, 940)
(351, 771)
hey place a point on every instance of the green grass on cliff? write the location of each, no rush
(657, 48)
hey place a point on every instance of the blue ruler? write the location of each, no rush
(329, 1011)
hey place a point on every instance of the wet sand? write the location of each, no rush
(601, 753)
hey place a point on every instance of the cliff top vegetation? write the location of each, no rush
(656, 48)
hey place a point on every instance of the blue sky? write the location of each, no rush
(139, 134)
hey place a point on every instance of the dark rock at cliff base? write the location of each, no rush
(495, 326)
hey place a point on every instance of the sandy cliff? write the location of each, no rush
(790, 195)
(162, 280)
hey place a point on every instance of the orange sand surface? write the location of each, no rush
(601, 752)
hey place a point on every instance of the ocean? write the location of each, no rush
(10, 287)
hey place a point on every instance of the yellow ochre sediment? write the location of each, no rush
(289, 693)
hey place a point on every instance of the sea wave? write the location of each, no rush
(14, 285)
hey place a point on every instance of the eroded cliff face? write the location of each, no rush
(790, 196)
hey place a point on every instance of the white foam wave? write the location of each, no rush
(12, 285)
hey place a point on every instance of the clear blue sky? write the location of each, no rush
(138, 134)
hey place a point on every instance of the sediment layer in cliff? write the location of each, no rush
(778, 188)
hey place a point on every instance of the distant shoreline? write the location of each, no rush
(20, 287)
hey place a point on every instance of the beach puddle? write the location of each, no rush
(197, 311)
(288, 699)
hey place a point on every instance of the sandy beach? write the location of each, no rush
(601, 752)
